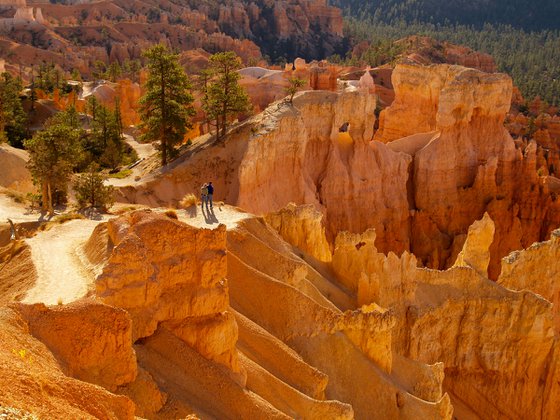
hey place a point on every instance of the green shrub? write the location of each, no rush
(91, 191)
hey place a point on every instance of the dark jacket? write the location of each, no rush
(210, 189)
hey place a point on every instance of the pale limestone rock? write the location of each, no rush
(302, 227)
(366, 82)
(536, 269)
(476, 250)
(163, 271)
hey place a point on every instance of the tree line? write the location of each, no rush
(531, 16)
(532, 59)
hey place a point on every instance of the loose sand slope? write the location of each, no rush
(61, 270)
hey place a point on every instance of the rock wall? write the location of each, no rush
(302, 227)
(498, 347)
(33, 376)
(536, 269)
(15, 174)
(468, 165)
(317, 152)
(305, 313)
(92, 341)
(182, 288)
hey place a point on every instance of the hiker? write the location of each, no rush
(204, 195)
(210, 189)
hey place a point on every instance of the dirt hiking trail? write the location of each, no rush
(63, 273)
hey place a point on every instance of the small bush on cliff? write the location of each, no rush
(172, 214)
(188, 201)
(90, 190)
(294, 86)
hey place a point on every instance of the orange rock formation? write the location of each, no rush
(462, 319)
(464, 162)
(14, 174)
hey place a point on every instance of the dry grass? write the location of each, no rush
(171, 214)
(14, 195)
(188, 201)
(125, 209)
(125, 173)
(62, 218)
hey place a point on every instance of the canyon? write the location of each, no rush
(76, 35)
(359, 262)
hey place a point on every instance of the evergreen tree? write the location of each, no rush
(114, 71)
(294, 86)
(104, 141)
(132, 69)
(53, 153)
(224, 98)
(118, 116)
(12, 116)
(166, 108)
(91, 190)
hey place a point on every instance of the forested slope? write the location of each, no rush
(523, 37)
(529, 15)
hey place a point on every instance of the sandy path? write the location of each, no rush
(202, 218)
(144, 151)
(15, 211)
(62, 269)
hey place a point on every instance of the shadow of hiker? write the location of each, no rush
(191, 211)
(209, 216)
(92, 213)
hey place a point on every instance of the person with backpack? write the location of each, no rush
(204, 195)
(210, 189)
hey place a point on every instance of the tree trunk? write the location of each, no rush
(163, 117)
(49, 192)
(44, 196)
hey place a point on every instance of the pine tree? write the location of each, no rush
(166, 108)
(114, 71)
(12, 116)
(118, 116)
(224, 98)
(91, 190)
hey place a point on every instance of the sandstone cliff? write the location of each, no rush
(425, 50)
(34, 375)
(158, 283)
(282, 298)
(465, 164)
(278, 300)
(461, 319)
(317, 152)
(535, 269)
(440, 160)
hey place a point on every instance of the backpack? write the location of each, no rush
(204, 190)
